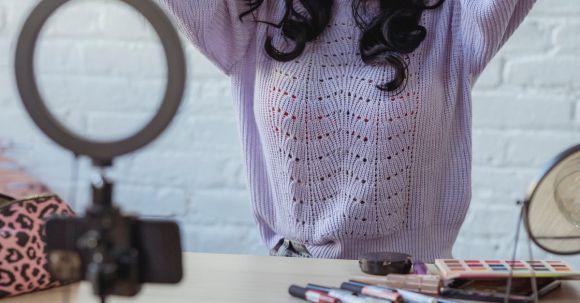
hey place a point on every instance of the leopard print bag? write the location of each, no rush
(23, 257)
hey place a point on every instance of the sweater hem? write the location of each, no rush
(427, 244)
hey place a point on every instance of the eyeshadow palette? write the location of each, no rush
(474, 269)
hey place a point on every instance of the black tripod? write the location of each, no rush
(114, 252)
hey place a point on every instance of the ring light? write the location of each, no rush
(101, 152)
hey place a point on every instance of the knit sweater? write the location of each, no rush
(332, 161)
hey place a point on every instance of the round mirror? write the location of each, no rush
(552, 208)
(102, 152)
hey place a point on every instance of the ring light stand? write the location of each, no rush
(116, 253)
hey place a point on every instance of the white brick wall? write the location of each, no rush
(98, 60)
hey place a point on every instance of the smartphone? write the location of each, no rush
(158, 243)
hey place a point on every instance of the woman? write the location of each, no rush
(355, 115)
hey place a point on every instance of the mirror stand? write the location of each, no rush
(516, 241)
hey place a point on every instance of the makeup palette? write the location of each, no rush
(473, 269)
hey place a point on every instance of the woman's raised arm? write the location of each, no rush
(486, 25)
(214, 27)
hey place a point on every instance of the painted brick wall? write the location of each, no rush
(102, 70)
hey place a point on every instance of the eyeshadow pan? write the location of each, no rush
(499, 269)
(558, 265)
(536, 267)
(562, 269)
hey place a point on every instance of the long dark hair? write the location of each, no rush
(386, 37)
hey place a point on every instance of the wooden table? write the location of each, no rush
(232, 278)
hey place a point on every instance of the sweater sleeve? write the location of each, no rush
(214, 27)
(486, 25)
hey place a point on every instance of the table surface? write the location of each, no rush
(234, 278)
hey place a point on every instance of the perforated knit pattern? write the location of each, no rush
(337, 164)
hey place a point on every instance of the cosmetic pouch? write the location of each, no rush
(25, 205)
(23, 257)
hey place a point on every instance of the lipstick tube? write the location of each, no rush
(372, 291)
(311, 295)
(346, 296)
(426, 284)
(420, 268)
(407, 295)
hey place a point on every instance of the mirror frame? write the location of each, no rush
(533, 189)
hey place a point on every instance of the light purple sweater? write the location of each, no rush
(332, 161)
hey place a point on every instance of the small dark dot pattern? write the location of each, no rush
(340, 150)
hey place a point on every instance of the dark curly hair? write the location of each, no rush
(386, 37)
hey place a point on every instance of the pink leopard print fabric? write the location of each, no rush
(23, 258)
(23, 262)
